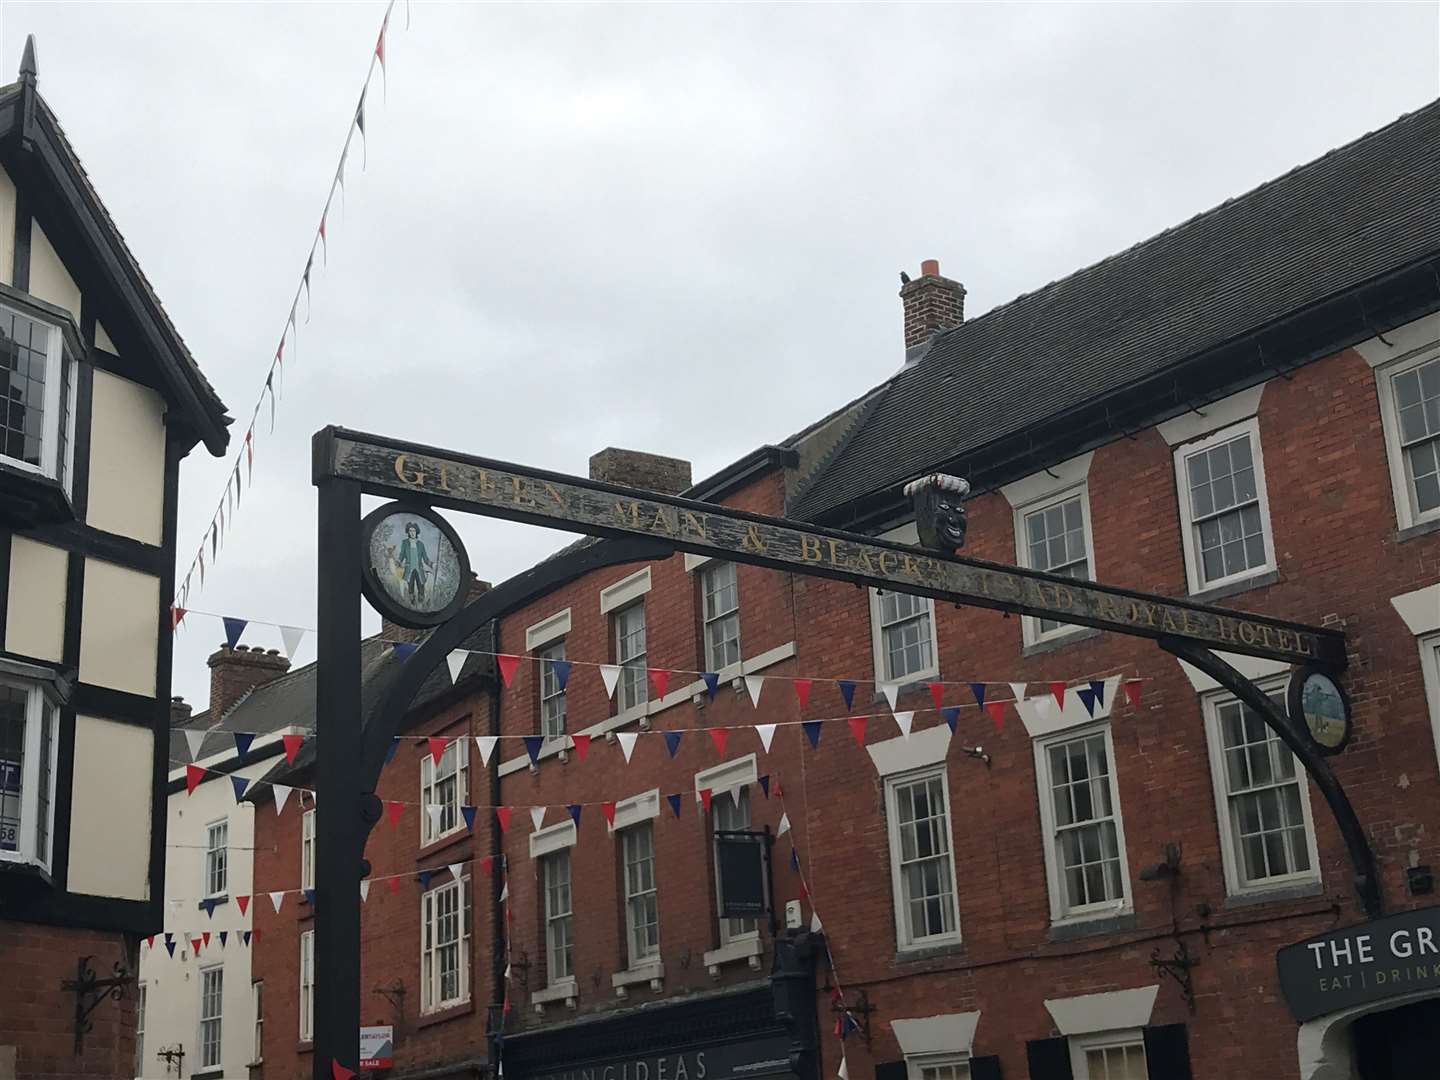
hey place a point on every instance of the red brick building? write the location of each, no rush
(1244, 410)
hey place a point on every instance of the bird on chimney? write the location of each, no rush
(904, 278)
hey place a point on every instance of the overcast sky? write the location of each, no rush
(670, 228)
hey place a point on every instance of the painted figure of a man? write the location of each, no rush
(412, 564)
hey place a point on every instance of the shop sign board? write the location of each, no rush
(761, 1056)
(377, 1047)
(1362, 964)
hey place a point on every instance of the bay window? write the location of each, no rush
(37, 419)
(29, 736)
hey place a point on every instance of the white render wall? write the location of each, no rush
(172, 1003)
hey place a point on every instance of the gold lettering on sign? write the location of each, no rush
(417, 478)
(694, 524)
(1189, 623)
(886, 570)
(1247, 633)
(809, 548)
(753, 540)
(1286, 638)
(518, 494)
(1168, 620)
(444, 484)
(862, 561)
(485, 482)
(661, 522)
(1226, 628)
(626, 513)
(1305, 644)
(554, 493)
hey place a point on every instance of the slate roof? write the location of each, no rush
(1365, 209)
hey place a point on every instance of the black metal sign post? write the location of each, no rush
(347, 464)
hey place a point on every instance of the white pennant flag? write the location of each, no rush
(281, 793)
(277, 898)
(505, 892)
(753, 685)
(815, 926)
(364, 889)
(537, 815)
(456, 869)
(627, 743)
(844, 1071)
(783, 827)
(903, 719)
(486, 746)
(455, 661)
(611, 674)
(435, 811)
(1018, 689)
(766, 733)
(291, 636)
(892, 692)
(194, 739)
(507, 972)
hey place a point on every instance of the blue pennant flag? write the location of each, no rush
(224, 934)
(425, 876)
(978, 689)
(951, 714)
(574, 809)
(674, 801)
(794, 860)
(243, 739)
(233, 629)
(672, 741)
(562, 672)
(847, 691)
(1087, 698)
(208, 906)
(848, 1025)
(169, 938)
(245, 936)
(309, 896)
(812, 729)
(239, 783)
(532, 747)
(468, 813)
(765, 784)
(1097, 687)
(390, 750)
(711, 681)
(170, 947)
(404, 650)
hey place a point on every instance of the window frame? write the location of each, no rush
(1406, 513)
(893, 782)
(1060, 912)
(625, 836)
(38, 697)
(430, 781)
(1081, 1045)
(257, 1009)
(916, 1064)
(1235, 885)
(306, 995)
(547, 654)
(881, 656)
(58, 416)
(217, 859)
(706, 575)
(627, 665)
(206, 972)
(1430, 676)
(1032, 634)
(141, 995)
(548, 918)
(729, 934)
(307, 849)
(1194, 571)
(432, 982)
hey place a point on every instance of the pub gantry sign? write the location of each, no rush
(413, 586)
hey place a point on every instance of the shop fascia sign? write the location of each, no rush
(1362, 964)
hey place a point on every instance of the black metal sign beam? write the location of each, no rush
(497, 489)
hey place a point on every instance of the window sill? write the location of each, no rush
(222, 898)
(1302, 890)
(1095, 926)
(913, 684)
(565, 991)
(305, 1046)
(445, 843)
(1060, 641)
(929, 952)
(22, 866)
(1235, 588)
(747, 949)
(652, 972)
(1422, 528)
(208, 1074)
(446, 1012)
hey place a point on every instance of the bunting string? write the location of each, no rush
(214, 534)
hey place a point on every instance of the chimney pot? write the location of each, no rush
(180, 711)
(930, 268)
(931, 303)
(235, 672)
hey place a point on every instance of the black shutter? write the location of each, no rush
(891, 1070)
(1049, 1059)
(1167, 1052)
(986, 1068)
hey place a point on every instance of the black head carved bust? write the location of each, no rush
(940, 510)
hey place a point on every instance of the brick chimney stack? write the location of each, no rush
(234, 672)
(932, 303)
(649, 472)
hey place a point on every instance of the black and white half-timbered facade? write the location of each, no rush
(102, 402)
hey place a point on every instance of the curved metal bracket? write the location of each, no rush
(1362, 858)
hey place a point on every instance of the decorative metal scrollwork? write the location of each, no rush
(90, 992)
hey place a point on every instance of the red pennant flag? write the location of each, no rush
(150, 941)
(487, 863)
(582, 746)
(505, 1008)
(996, 709)
(195, 945)
(705, 797)
(380, 46)
(660, 679)
(393, 884)
(802, 691)
(1057, 690)
(242, 902)
(608, 809)
(937, 695)
(393, 810)
(502, 814)
(292, 745)
(340, 1072)
(507, 665)
(193, 775)
(177, 614)
(437, 747)
(857, 729)
(205, 937)
(1132, 691)
(804, 892)
(719, 736)
(255, 935)
(779, 789)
